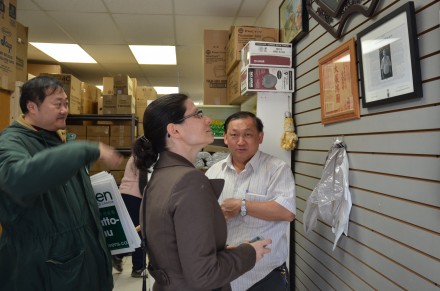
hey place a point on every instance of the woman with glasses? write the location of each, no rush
(181, 219)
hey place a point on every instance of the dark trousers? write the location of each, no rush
(277, 280)
(133, 205)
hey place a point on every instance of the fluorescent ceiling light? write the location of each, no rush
(64, 52)
(154, 54)
(166, 90)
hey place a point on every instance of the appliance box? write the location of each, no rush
(266, 79)
(267, 54)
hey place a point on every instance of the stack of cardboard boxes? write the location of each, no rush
(266, 67)
(222, 61)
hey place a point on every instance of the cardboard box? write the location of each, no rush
(120, 130)
(240, 36)
(234, 87)
(8, 49)
(107, 86)
(38, 69)
(79, 130)
(267, 54)
(5, 99)
(120, 141)
(145, 94)
(72, 87)
(98, 130)
(262, 79)
(122, 85)
(126, 104)
(21, 55)
(215, 79)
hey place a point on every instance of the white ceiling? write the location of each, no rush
(105, 28)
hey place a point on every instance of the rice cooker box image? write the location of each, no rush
(266, 79)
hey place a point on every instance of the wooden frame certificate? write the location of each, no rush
(339, 84)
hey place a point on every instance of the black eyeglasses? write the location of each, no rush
(198, 114)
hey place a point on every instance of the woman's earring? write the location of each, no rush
(169, 135)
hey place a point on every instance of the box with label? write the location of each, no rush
(21, 54)
(144, 94)
(240, 36)
(122, 85)
(267, 54)
(214, 62)
(260, 79)
(126, 104)
(8, 47)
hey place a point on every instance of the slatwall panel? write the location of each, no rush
(393, 151)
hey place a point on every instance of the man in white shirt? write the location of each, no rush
(258, 199)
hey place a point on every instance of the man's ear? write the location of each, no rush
(261, 136)
(31, 106)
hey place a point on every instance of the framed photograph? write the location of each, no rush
(389, 59)
(294, 20)
(339, 84)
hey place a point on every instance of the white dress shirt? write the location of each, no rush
(265, 178)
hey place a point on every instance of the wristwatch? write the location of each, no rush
(243, 210)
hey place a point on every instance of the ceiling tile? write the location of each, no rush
(116, 54)
(59, 5)
(140, 7)
(224, 8)
(39, 26)
(99, 26)
(190, 28)
(146, 29)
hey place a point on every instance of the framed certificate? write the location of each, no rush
(339, 84)
(389, 59)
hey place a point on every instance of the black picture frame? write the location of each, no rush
(293, 21)
(388, 55)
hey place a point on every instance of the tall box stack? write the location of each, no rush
(8, 49)
(215, 78)
(118, 95)
(21, 54)
(266, 66)
(239, 37)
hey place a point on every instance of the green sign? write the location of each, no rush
(113, 230)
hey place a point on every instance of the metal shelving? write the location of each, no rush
(109, 117)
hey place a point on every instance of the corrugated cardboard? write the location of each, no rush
(8, 47)
(266, 79)
(215, 79)
(240, 36)
(37, 69)
(21, 55)
(267, 54)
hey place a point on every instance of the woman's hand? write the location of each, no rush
(260, 248)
